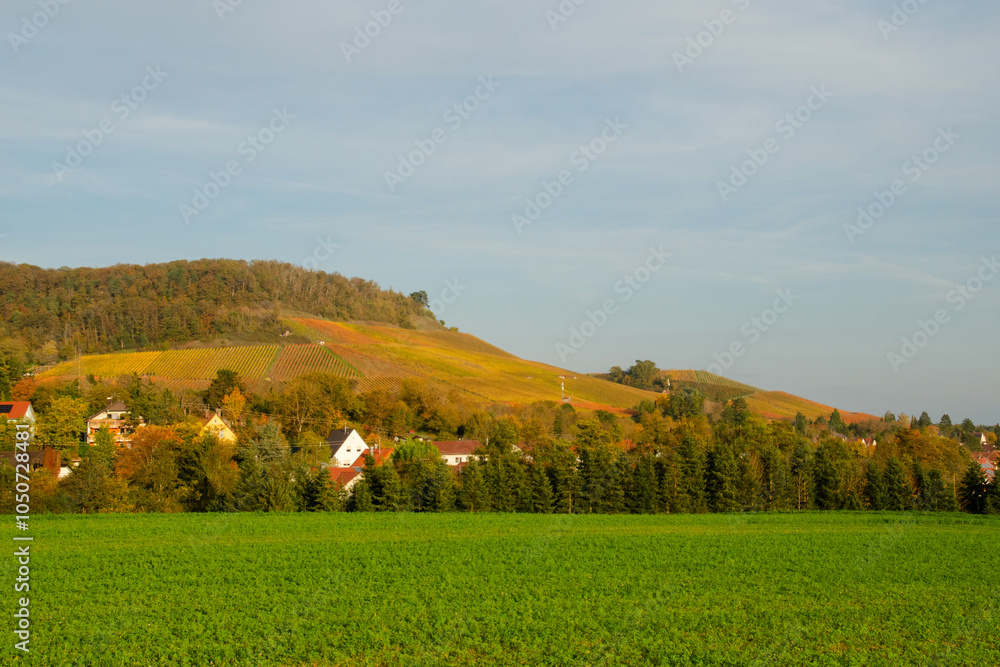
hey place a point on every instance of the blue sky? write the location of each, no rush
(644, 109)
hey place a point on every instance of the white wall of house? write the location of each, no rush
(348, 452)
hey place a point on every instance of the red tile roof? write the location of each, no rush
(380, 455)
(343, 476)
(17, 409)
(457, 447)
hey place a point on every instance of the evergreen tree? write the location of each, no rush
(801, 468)
(898, 492)
(942, 496)
(723, 479)
(104, 450)
(617, 478)
(974, 489)
(643, 490)
(801, 423)
(541, 490)
(776, 488)
(361, 498)
(945, 426)
(924, 499)
(689, 462)
(386, 489)
(248, 494)
(875, 494)
(826, 480)
(837, 424)
(473, 492)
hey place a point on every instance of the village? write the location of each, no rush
(348, 449)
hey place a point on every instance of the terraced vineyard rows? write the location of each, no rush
(107, 365)
(296, 360)
(366, 384)
(250, 362)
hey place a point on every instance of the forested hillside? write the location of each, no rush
(54, 313)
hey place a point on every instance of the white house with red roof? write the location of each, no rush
(20, 411)
(347, 476)
(455, 452)
(346, 445)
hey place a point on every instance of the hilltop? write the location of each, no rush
(57, 313)
(178, 323)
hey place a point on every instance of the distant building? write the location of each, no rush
(20, 411)
(215, 425)
(983, 442)
(115, 417)
(455, 452)
(48, 458)
(346, 445)
(988, 462)
(346, 477)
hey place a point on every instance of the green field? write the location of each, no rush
(408, 589)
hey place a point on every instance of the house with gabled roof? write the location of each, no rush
(346, 445)
(215, 425)
(116, 418)
(988, 462)
(49, 458)
(20, 411)
(347, 476)
(455, 452)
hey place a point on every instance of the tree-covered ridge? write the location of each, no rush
(63, 311)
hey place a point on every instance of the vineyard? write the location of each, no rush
(194, 368)
(378, 356)
(296, 360)
(249, 362)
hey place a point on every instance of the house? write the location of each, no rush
(346, 477)
(213, 424)
(984, 443)
(115, 417)
(346, 445)
(988, 463)
(455, 452)
(20, 411)
(48, 458)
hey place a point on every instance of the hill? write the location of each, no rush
(54, 313)
(378, 355)
(371, 355)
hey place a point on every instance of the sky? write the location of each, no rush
(799, 196)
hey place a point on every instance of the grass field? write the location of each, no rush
(457, 589)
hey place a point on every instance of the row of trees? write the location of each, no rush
(662, 460)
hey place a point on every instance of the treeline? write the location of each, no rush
(545, 457)
(52, 314)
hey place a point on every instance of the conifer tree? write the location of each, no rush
(974, 490)
(875, 495)
(898, 492)
(541, 490)
(826, 480)
(643, 490)
(723, 479)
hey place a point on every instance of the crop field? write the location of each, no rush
(458, 589)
